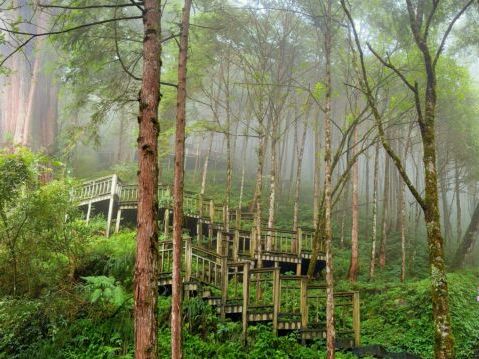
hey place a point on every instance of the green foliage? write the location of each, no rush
(400, 316)
(105, 290)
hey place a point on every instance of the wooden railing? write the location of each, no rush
(94, 188)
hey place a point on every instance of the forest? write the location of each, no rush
(239, 179)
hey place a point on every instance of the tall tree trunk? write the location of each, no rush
(457, 189)
(257, 195)
(272, 184)
(243, 168)
(146, 280)
(385, 216)
(328, 200)
(316, 171)
(297, 188)
(374, 213)
(354, 262)
(178, 184)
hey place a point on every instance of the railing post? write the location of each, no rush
(252, 242)
(226, 220)
(224, 284)
(236, 245)
(304, 303)
(356, 320)
(212, 211)
(166, 222)
(112, 202)
(118, 219)
(299, 239)
(245, 301)
(219, 243)
(188, 259)
(276, 299)
(238, 218)
(88, 212)
(199, 229)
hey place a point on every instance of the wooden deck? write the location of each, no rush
(248, 276)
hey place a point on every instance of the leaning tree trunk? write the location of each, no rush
(468, 240)
(178, 184)
(146, 281)
(354, 262)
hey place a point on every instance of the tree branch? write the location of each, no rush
(449, 28)
(377, 115)
(389, 65)
(87, 7)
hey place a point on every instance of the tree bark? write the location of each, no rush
(354, 262)
(297, 187)
(372, 263)
(178, 184)
(457, 188)
(385, 219)
(146, 281)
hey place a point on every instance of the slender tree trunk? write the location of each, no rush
(354, 263)
(205, 165)
(146, 280)
(243, 169)
(367, 195)
(457, 189)
(316, 171)
(385, 215)
(178, 184)
(297, 188)
(257, 195)
(374, 213)
(273, 182)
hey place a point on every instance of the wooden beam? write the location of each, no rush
(245, 301)
(356, 319)
(276, 299)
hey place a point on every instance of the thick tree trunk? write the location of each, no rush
(374, 213)
(146, 280)
(328, 200)
(178, 184)
(354, 262)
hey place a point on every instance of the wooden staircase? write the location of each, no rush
(244, 274)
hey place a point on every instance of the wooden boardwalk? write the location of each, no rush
(221, 262)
